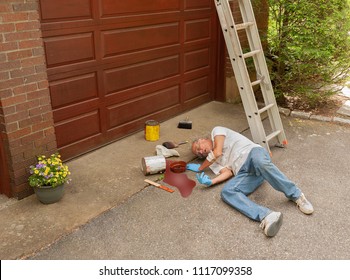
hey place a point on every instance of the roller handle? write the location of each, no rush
(159, 186)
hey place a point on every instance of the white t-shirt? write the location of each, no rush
(235, 151)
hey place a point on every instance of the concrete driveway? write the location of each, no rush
(108, 212)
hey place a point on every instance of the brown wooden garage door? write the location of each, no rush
(114, 64)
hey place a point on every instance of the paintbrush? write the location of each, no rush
(172, 145)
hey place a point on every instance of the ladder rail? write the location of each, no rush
(261, 67)
(240, 68)
(237, 57)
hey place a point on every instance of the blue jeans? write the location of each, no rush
(257, 168)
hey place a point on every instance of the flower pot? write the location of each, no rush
(48, 194)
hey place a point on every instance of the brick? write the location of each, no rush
(25, 106)
(20, 172)
(25, 7)
(21, 149)
(41, 69)
(11, 127)
(49, 131)
(25, 163)
(20, 180)
(43, 85)
(16, 116)
(11, 83)
(14, 17)
(13, 100)
(22, 191)
(20, 36)
(38, 52)
(30, 121)
(33, 16)
(7, 27)
(26, 26)
(5, 93)
(45, 101)
(8, 46)
(19, 54)
(19, 133)
(31, 153)
(23, 72)
(31, 137)
(30, 44)
(10, 65)
(33, 61)
(52, 146)
(37, 94)
(43, 142)
(4, 76)
(48, 116)
(7, 111)
(5, 8)
(13, 143)
(41, 126)
(25, 88)
(3, 58)
(35, 78)
(39, 110)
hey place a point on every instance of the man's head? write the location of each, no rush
(202, 146)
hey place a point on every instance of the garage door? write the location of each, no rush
(112, 65)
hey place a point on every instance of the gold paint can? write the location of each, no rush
(152, 129)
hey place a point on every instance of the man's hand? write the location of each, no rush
(193, 167)
(204, 179)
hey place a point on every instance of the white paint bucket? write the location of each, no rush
(153, 165)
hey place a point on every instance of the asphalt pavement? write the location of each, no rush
(108, 212)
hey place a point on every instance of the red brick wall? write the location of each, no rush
(26, 120)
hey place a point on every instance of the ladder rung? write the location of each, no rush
(262, 110)
(256, 82)
(244, 25)
(250, 54)
(272, 135)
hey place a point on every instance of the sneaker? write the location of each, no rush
(272, 223)
(304, 205)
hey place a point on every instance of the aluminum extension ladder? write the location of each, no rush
(239, 64)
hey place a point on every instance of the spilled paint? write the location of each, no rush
(178, 180)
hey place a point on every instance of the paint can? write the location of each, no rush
(152, 130)
(153, 165)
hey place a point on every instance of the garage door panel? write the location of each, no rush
(198, 29)
(76, 109)
(65, 10)
(73, 90)
(139, 38)
(139, 91)
(196, 59)
(113, 7)
(112, 65)
(197, 4)
(78, 128)
(197, 87)
(62, 50)
(135, 75)
(134, 109)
